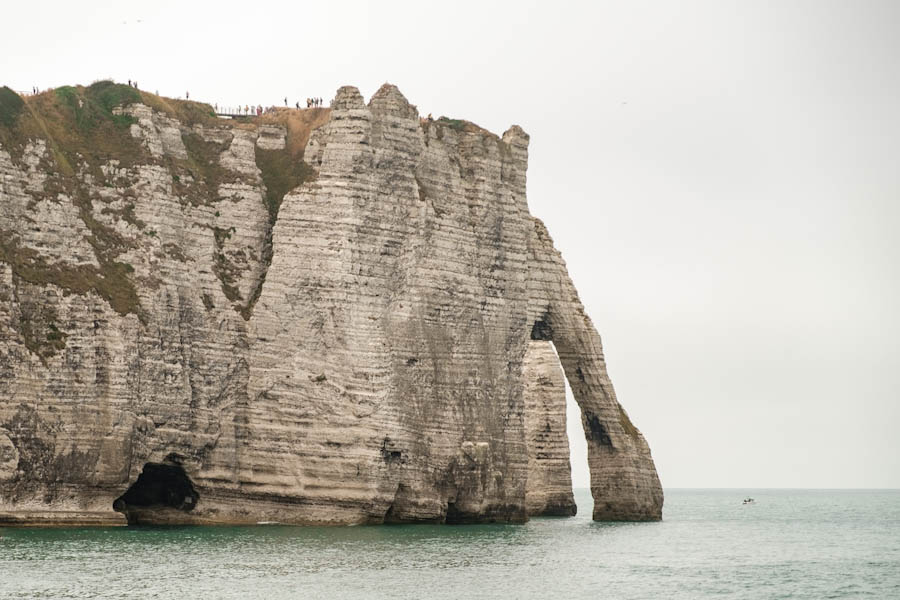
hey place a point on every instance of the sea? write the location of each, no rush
(788, 544)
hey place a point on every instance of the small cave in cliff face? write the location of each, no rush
(389, 453)
(454, 516)
(159, 486)
(541, 331)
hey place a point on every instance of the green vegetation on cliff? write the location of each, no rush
(77, 122)
(10, 106)
(281, 173)
(93, 106)
(456, 124)
(90, 139)
(204, 169)
(110, 280)
(81, 132)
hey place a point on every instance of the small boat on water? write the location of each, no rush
(749, 500)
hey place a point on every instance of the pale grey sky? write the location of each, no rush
(722, 178)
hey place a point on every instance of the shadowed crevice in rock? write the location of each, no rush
(541, 331)
(598, 431)
(393, 516)
(159, 491)
(454, 515)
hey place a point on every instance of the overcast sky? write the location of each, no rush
(722, 178)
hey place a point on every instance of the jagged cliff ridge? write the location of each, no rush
(322, 316)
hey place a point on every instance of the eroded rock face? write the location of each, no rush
(371, 347)
(9, 457)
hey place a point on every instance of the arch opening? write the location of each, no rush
(620, 473)
(578, 453)
(549, 485)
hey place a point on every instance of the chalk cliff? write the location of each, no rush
(324, 316)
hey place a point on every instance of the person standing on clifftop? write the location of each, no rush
(187, 96)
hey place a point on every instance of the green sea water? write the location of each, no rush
(790, 544)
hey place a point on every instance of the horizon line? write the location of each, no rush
(846, 489)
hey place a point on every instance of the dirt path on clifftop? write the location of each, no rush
(299, 124)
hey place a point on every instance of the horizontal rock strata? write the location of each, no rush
(332, 316)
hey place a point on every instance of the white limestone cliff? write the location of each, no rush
(178, 339)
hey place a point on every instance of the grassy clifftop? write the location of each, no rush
(84, 131)
(11, 104)
(80, 121)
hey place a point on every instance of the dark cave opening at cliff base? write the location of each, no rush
(159, 485)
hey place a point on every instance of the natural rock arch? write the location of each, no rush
(624, 483)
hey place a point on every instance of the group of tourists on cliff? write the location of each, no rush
(258, 110)
(244, 110)
(310, 102)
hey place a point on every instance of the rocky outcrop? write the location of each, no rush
(336, 318)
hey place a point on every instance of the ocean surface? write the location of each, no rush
(790, 544)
